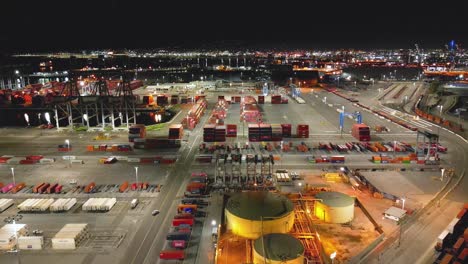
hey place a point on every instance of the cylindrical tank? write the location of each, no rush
(334, 207)
(248, 213)
(278, 249)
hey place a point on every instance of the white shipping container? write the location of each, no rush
(133, 160)
(5, 204)
(124, 158)
(30, 242)
(76, 161)
(63, 243)
(46, 161)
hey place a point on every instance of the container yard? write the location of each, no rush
(265, 155)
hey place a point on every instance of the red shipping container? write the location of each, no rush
(172, 254)
(178, 222)
(28, 161)
(34, 157)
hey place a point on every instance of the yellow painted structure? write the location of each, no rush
(278, 249)
(334, 207)
(249, 214)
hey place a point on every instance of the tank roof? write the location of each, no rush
(335, 199)
(255, 205)
(279, 247)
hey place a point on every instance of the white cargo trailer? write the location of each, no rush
(30, 242)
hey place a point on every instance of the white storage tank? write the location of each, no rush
(278, 249)
(334, 207)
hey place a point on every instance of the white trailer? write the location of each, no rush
(30, 242)
(5, 204)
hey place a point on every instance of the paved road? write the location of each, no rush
(150, 238)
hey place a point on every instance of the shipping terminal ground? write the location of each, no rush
(241, 171)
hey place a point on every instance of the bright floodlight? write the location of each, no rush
(26, 117)
(85, 117)
(333, 255)
(213, 222)
(82, 83)
(47, 117)
(16, 72)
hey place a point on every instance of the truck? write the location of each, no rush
(172, 254)
(178, 236)
(134, 203)
(337, 159)
(361, 132)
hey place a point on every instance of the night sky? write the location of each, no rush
(72, 24)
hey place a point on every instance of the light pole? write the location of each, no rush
(442, 171)
(67, 141)
(403, 203)
(394, 148)
(136, 177)
(13, 175)
(440, 107)
(332, 257)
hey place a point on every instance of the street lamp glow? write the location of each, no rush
(213, 222)
(67, 141)
(342, 169)
(13, 175)
(47, 117)
(136, 177)
(403, 203)
(26, 117)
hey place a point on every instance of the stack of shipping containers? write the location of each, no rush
(176, 131)
(361, 132)
(276, 99)
(162, 100)
(249, 110)
(276, 132)
(265, 132)
(254, 132)
(231, 130)
(195, 113)
(286, 130)
(136, 131)
(174, 99)
(9, 233)
(261, 99)
(209, 133)
(220, 134)
(303, 131)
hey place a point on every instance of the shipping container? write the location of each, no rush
(361, 132)
(184, 216)
(177, 222)
(5, 204)
(178, 236)
(30, 242)
(180, 244)
(172, 254)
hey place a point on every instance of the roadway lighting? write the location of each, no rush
(82, 83)
(85, 117)
(67, 141)
(13, 175)
(136, 176)
(300, 184)
(332, 257)
(17, 72)
(26, 117)
(213, 222)
(342, 169)
(47, 117)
